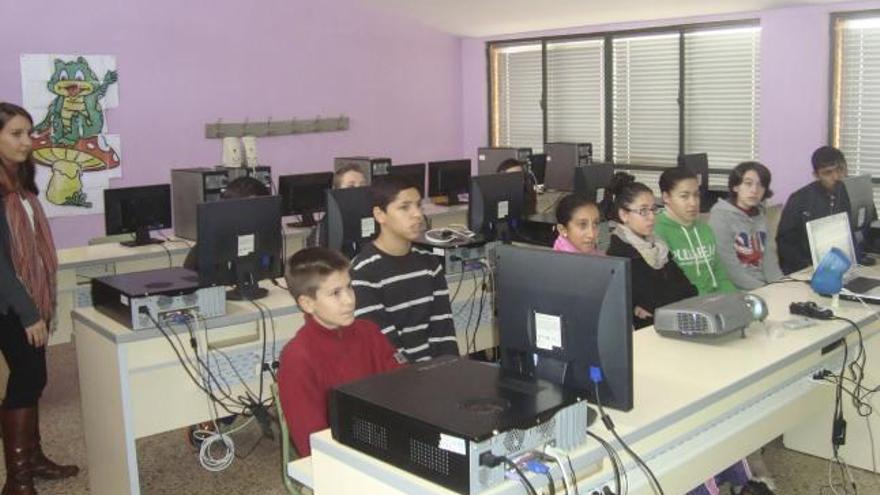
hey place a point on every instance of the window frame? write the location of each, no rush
(607, 86)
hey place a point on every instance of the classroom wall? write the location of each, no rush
(184, 64)
(795, 75)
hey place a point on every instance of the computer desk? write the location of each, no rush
(132, 384)
(699, 407)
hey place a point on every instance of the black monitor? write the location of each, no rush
(449, 178)
(303, 195)
(538, 164)
(860, 190)
(240, 244)
(562, 316)
(496, 204)
(137, 210)
(697, 163)
(350, 222)
(413, 174)
(591, 180)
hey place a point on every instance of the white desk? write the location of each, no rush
(132, 385)
(699, 407)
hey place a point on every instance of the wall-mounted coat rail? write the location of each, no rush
(267, 128)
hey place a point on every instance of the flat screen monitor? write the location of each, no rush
(496, 204)
(564, 316)
(303, 195)
(137, 210)
(413, 174)
(449, 178)
(860, 190)
(592, 180)
(240, 244)
(539, 167)
(697, 163)
(349, 220)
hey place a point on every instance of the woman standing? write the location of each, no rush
(28, 263)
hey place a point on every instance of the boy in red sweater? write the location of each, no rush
(331, 348)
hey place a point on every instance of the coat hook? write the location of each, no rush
(269, 126)
(220, 134)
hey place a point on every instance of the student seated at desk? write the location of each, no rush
(745, 248)
(242, 187)
(577, 222)
(400, 288)
(346, 176)
(823, 197)
(656, 279)
(331, 348)
(690, 240)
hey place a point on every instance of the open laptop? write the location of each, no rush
(834, 231)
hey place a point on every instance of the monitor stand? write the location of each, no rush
(142, 238)
(307, 220)
(247, 288)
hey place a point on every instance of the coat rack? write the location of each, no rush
(267, 128)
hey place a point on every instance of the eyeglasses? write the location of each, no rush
(644, 212)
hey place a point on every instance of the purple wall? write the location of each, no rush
(795, 72)
(183, 64)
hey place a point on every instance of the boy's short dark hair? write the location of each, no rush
(386, 191)
(827, 156)
(308, 268)
(672, 176)
(509, 164)
(348, 167)
(739, 172)
(244, 187)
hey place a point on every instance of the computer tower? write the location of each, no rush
(189, 187)
(562, 158)
(370, 166)
(489, 158)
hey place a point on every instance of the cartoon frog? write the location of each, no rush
(76, 112)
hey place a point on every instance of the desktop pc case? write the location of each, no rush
(189, 187)
(561, 160)
(370, 166)
(436, 419)
(488, 159)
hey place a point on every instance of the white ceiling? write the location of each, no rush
(480, 18)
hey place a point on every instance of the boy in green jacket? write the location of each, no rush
(691, 241)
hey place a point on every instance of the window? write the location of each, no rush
(640, 97)
(855, 104)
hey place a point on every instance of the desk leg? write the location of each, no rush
(107, 421)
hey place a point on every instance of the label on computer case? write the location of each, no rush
(368, 226)
(123, 299)
(482, 158)
(452, 444)
(503, 208)
(245, 244)
(548, 331)
(439, 252)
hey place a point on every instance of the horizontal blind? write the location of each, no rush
(575, 98)
(721, 91)
(517, 85)
(858, 87)
(645, 97)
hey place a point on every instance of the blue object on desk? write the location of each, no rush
(828, 278)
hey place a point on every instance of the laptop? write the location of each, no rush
(834, 231)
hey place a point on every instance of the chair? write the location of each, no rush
(288, 451)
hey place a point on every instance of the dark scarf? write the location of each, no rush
(32, 250)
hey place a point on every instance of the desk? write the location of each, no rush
(133, 386)
(699, 407)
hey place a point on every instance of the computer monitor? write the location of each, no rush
(496, 204)
(539, 167)
(413, 174)
(240, 244)
(137, 210)
(449, 178)
(561, 314)
(303, 195)
(860, 190)
(697, 163)
(349, 219)
(592, 180)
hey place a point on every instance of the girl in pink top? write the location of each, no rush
(577, 221)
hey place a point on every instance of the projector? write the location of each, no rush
(709, 316)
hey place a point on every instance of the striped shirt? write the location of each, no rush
(408, 298)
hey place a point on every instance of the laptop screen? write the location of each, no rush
(830, 232)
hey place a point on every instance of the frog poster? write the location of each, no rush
(76, 156)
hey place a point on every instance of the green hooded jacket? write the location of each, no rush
(693, 249)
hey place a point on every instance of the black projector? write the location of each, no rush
(436, 419)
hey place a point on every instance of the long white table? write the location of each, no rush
(699, 406)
